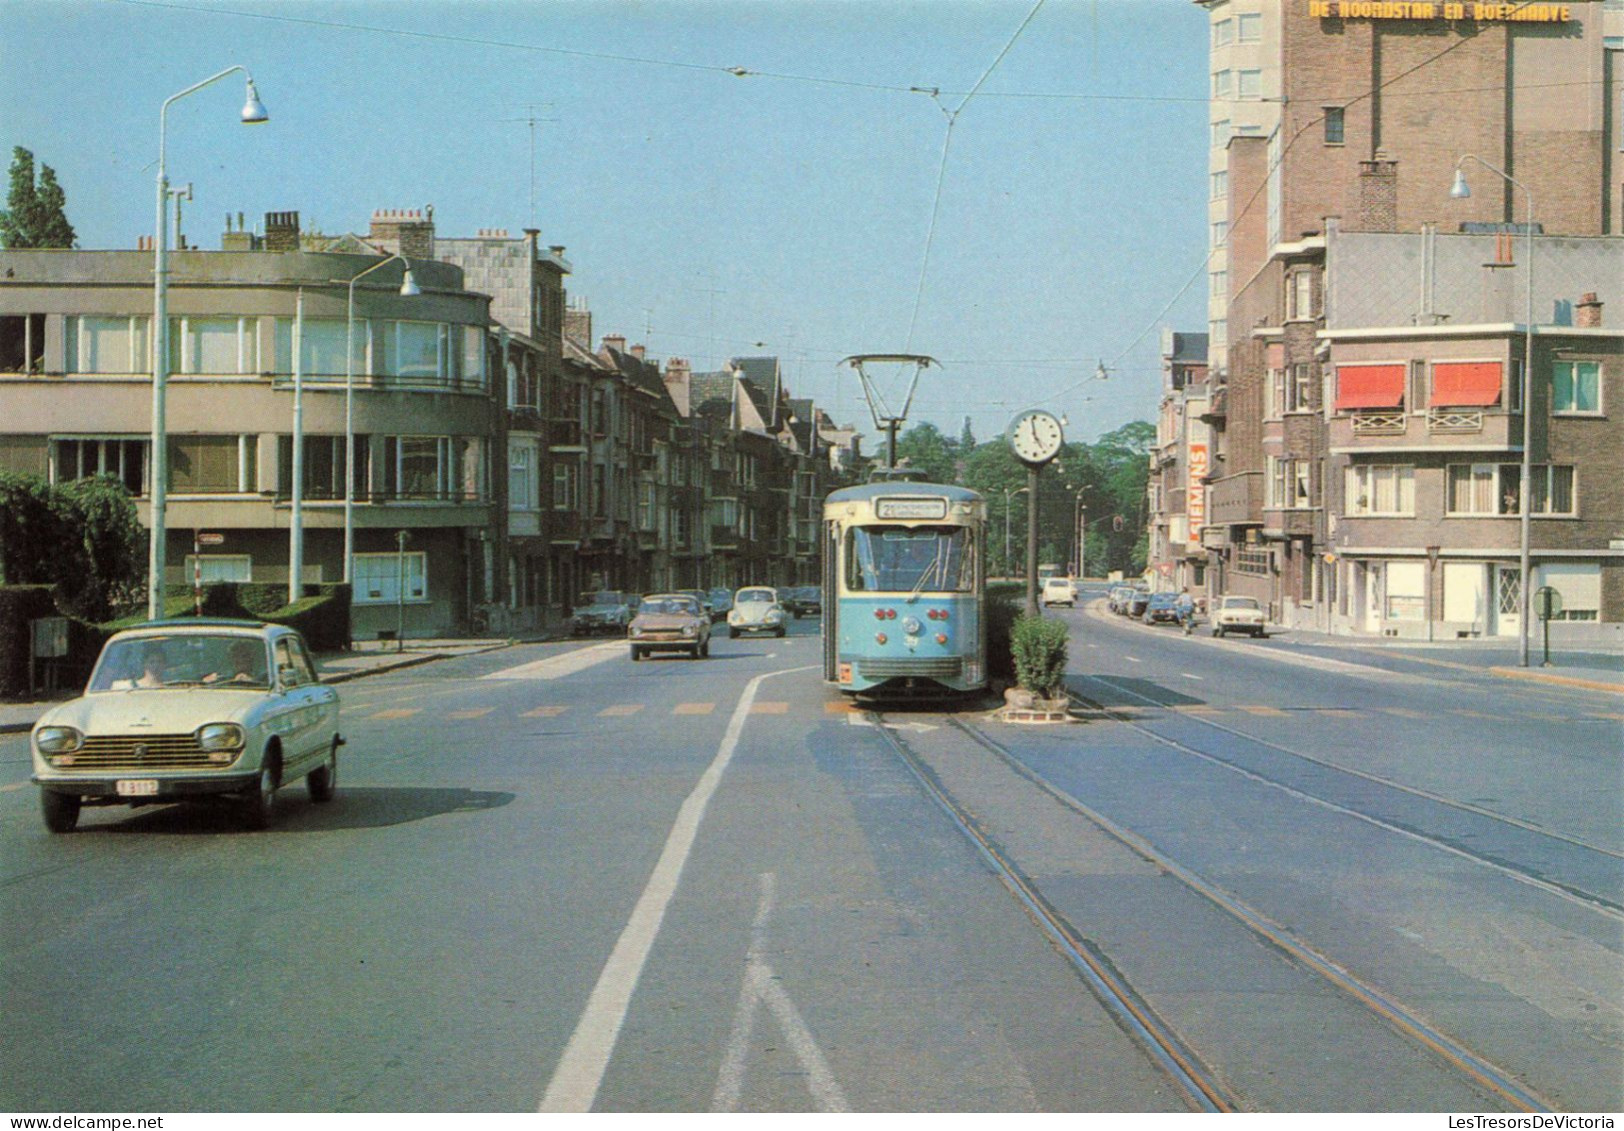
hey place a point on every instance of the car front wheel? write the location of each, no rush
(60, 810)
(259, 803)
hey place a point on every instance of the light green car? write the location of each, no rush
(190, 710)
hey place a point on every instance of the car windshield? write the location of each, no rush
(889, 559)
(755, 595)
(1241, 603)
(603, 597)
(669, 605)
(191, 659)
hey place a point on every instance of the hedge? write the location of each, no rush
(19, 604)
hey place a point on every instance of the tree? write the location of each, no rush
(83, 537)
(924, 448)
(35, 215)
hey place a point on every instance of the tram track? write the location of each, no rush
(1202, 1083)
(1575, 891)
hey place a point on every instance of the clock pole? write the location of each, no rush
(1032, 540)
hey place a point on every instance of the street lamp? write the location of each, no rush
(1082, 535)
(1460, 191)
(1009, 493)
(253, 112)
(408, 289)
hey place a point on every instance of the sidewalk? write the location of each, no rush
(367, 658)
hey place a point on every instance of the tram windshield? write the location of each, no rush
(890, 559)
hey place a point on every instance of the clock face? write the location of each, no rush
(1035, 436)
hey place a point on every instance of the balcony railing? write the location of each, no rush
(1378, 423)
(564, 434)
(1454, 420)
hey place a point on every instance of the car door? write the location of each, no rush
(306, 705)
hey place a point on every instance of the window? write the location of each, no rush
(1220, 134)
(214, 345)
(1223, 84)
(212, 465)
(385, 579)
(1335, 125)
(1406, 591)
(473, 358)
(1223, 33)
(322, 342)
(1493, 489)
(415, 350)
(29, 455)
(323, 466)
(124, 459)
(1218, 329)
(1249, 84)
(521, 477)
(1290, 484)
(219, 567)
(1300, 296)
(1249, 28)
(108, 345)
(645, 506)
(600, 499)
(1380, 489)
(1218, 284)
(433, 467)
(566, 480)
(1220, 232)
(1578, 583)
(22, 343)
(890, 559)
(1576, 386)
(1220, 184)
(1275, 395)
(1300, 392)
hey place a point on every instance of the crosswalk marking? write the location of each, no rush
(471, 713)
(1200, 709)
(1269, 712)
(694, 708)
(397, 713)
(544, 713)
(769, 708)
(1403, 712)
(1339, 713)
(620, 711)
(839, 708)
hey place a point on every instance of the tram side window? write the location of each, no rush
(889, 559)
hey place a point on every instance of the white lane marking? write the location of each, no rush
(556, 667)
(1187, 675)
(580, 1070)
(13, 787)
(1133, 659)
(761, 986)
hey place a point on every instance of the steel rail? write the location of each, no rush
(1578, 896)
(1199, 1083)
(1407, 1021)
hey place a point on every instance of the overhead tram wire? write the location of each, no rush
(1263, 184)
(941, 171)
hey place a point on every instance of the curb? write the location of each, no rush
(1561, 680)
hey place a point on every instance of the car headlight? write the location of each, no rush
(220, 736)
(58, 740)
(775, 615)
(733, 618)
(689, 630)
(636, 631)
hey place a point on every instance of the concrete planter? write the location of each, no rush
(1023, 706)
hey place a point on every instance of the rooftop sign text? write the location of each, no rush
(1445, 9)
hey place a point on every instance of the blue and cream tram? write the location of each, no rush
(904, 589)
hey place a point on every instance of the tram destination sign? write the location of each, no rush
(903, 508)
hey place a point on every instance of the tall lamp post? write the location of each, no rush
(1009, 493)
(253, 112)
(1460, 191)
(408, 289)
(1082, 536)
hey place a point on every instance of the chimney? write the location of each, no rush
(1589, 311)
(578, 326)
(679, 384)
(616, 342)
(1378, 194)
(238, 238)
(407, 231)
(281, 231)
(639, 351)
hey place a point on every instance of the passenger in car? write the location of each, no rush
(247, 665)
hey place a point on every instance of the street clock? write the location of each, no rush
(1035, 437)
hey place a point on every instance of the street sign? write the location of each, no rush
(211, 539)
(1549, 602)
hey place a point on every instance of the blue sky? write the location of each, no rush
(703, 212)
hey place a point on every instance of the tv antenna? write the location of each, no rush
(532, 118)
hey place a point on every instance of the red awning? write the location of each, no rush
(1369, 386)
(1470, 384)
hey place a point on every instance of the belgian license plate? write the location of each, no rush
(137, 787)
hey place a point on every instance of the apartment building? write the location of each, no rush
(1378, 104)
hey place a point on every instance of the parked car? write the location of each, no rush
(1059, 591)
(803, 600)
(670, 622)
(721, 603)
(704, 599)
(607, 610)
(1161, 606)
(756, 609)
(1136, 603)
(187, 711)
(1119, 598)
(1237, 614)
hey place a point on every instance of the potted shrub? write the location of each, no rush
(1039, 648)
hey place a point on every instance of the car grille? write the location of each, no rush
(944, 667)
(140, 753)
